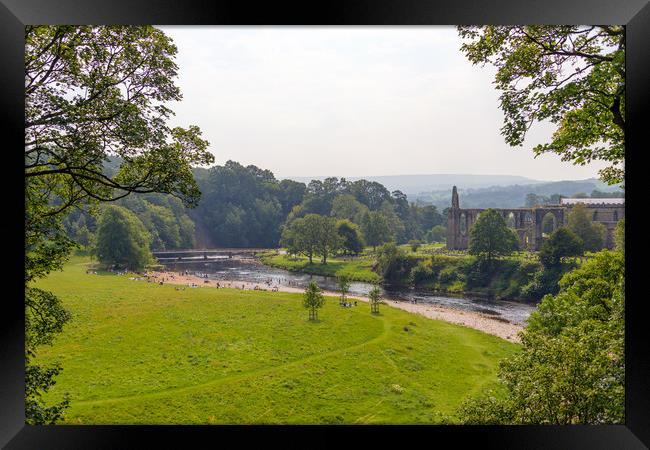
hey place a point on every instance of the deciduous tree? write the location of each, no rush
(591, 233)
(352, 240)
(571, 368)
(561, 243)
(92, 94)
(122, 239)
(375, 229)
(572, 76)
(490, 237)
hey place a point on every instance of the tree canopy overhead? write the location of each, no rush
(93, 96)
(92, 93)
(572, 76)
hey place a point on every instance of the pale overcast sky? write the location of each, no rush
(349, 101)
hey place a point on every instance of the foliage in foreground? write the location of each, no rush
(92, 93)
(572, 76)
(571, 368)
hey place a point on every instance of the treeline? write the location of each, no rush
(243, 206)
(163, 216)
(246, 206)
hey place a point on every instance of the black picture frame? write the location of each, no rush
(15, 14)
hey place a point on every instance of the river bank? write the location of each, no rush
(476, 320)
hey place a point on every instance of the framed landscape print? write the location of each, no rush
(378, 219)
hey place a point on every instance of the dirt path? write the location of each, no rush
(483, 322)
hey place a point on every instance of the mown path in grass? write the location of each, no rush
(239, 377)
(143, 353)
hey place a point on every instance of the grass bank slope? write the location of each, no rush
(358, 269)
(140, 353)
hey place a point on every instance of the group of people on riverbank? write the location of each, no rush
(348, 304)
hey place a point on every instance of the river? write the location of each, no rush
(251, 270)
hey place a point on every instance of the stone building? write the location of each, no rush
(528, 222)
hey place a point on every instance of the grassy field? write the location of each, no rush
(140, 353)
(359, 269)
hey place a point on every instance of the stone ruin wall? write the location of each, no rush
(527, 222)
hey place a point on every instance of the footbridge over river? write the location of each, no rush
(206, 254)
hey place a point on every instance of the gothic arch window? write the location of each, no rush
(549, 223)
(528, 218)
(463, 224)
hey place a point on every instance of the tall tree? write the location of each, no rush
(92, 94)
(329, 240)
(561, 243)
(376, 229)
(490, 236)
(437, 234)
(122, 239)
(572, 76)
(351, 234)
(591, 233)
(96, 92)
(303, 235)
(345, 206)
(242, 205)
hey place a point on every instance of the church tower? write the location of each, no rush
(454, 198)
(453, 219)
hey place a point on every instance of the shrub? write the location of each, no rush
(421, 273)
(448, 275)
(393, 264)
(414, 244)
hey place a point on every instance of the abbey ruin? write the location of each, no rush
(527, 222)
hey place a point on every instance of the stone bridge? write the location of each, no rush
(528, 223)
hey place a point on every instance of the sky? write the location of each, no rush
(350, 102)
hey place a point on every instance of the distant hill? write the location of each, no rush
(412, 185)
(512, 196)
(475, 191)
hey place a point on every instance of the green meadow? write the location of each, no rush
(142, 353)
(359, 269)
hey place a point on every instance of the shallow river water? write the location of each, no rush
(251, 270)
